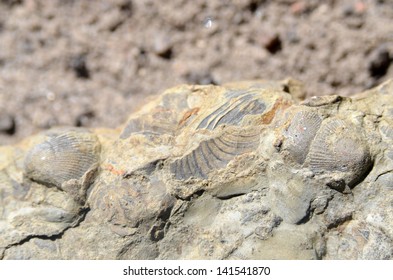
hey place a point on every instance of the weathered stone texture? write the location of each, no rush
(241, 171)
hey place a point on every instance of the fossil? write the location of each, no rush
(340, 147)
(300, 133)
(246, 170)
(64, 155)
(215, 153)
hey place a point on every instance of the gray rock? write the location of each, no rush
(241, 171)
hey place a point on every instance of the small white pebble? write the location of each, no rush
(208, 22)
(51, 96)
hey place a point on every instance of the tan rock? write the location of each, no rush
(242, 171)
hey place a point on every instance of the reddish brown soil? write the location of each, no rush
(92, 63)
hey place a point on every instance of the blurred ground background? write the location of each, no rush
(93, 62)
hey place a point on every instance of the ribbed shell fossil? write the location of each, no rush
(332, 145)
(215, 153)
(300, 133)
(228, 123)
(241, 104)
(161, 121)
(65, 155)
(339, 147)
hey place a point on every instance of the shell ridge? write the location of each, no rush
(225, 148)
(218, 117)
(62, 157)
(232, 113)
(198, 167)
(220, 149)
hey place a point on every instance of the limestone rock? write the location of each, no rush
(241, 171)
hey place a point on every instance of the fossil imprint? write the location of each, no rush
(64, 156)
(200, 130)
(257, 138)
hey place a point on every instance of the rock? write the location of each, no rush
(85, 118)
(79, 66)
(272, 43)
(379, 62)
(246, 170)
(200, 78)
(7, 124)
(299, 7)
(162, 46)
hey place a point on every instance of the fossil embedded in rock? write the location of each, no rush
(160, 121)
(300, 134)
(65, 155)
(215, 153)
(338, 147)
(273, 177)
(241, 104)
(328, 146)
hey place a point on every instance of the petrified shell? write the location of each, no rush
(300, 134)
(65, 155)
(338, 147)
(226, 123)
(332, 146)
(233, 112)
(160, 121)
(162, 118)
(215, 153)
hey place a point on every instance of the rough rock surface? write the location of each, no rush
(247, 170)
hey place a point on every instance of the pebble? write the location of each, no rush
(200, 78)
(84, 119)
(358, 8)
(272, 43)
(78, 65)
(162, 47)
(7, 124)
(299, 7)
(379, 62)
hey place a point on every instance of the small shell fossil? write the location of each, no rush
(65, 155)
(162, 118)
(338, 147)
(241, 104)
(300, 134)
(215, 153)
(330, 146)
(160, 121)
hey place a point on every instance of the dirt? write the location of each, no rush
(92, 63)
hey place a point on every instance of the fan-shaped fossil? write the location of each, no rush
(215, 153)
(300, 133)
(162, 121)
(239, 105)
(65, 155)
(339, 147)
(327, 146)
